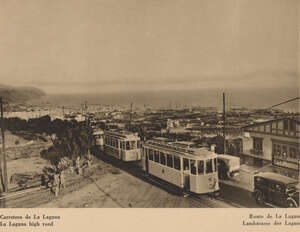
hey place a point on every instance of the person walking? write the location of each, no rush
(62, 179)
(56, 184)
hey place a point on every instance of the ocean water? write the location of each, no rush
(249, 98)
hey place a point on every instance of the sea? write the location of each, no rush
(258, 98)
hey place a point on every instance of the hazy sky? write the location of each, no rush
(67, 46)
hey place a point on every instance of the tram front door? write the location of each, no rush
(186, 182)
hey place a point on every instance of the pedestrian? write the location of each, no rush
(62, 179)
(78, 165)
(89, 159)
(56, 184)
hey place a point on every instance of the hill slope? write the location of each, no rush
(20, 94)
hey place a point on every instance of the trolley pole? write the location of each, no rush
(5, 181)
(224, 123)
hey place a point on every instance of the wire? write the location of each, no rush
(293, 99)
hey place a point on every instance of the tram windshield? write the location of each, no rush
(130, 145)
(209, 166)
(193, 167)
(177, 163)
(186, 165)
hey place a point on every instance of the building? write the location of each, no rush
(274, 142)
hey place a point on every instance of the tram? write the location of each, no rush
(123, 145)
(99, 139)
(191, 169)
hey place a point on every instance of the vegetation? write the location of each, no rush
(71, 139)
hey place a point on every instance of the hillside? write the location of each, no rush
(20, 94)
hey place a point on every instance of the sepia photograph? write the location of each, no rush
(150, 104)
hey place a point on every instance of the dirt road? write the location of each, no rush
(113, 185)
(121, 189)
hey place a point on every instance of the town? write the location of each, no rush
(251, 144)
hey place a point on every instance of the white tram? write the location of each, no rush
(122, 145)
(99, 141)
(191, 169)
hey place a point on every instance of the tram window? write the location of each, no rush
(127, 145)
(193, 167)
(156, 156)
(200, 167)
(186, 165)
(122, 144)
(209, 166)
(162, 158)
(170, 161)
(132, 145)
(177, 163)
(139, 144)
(151, 155)
(215, 164)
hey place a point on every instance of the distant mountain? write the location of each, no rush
(20, 94)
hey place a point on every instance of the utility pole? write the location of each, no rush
(224, 123)
(5, 181)
(130, 117)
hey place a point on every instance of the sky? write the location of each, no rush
(108, 46)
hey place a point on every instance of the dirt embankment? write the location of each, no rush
(24, 156)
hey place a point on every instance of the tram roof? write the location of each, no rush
(172, 147)
(98, 132)
(122, 134)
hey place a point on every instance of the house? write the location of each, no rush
(275, 142)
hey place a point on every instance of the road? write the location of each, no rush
(113, 184)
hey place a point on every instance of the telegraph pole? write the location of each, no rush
(5, 181)
(130, 117)
(224, 123)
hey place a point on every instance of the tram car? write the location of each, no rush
(123, 145)
(99, 139)
(191, 169)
